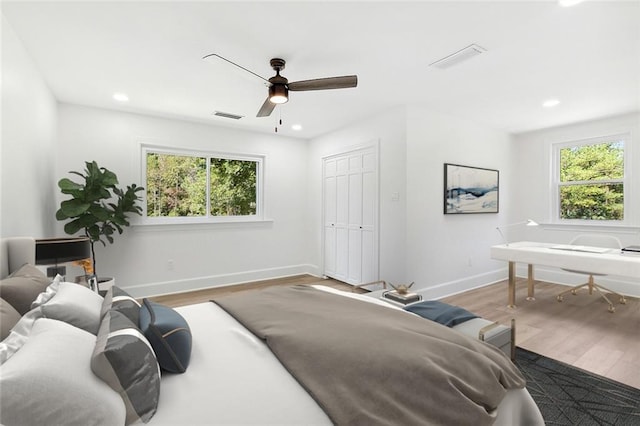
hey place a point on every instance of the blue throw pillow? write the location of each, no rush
(441, 312)
(168, 333)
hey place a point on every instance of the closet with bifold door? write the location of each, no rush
(350, 216)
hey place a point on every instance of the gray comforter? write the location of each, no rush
(368, 365)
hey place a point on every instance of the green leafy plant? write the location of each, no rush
(98, 207)
(592, 182)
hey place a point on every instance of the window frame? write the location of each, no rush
(208, 218)
(556, 184)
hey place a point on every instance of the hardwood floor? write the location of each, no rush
(579, 331)
(189, 298)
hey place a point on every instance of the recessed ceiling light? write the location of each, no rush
(297, 127)
(121, 97)
(550, 103)
(569, 3)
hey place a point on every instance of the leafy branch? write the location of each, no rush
(98, 207)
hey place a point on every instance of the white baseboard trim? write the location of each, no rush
(459, 286)
(627, 287)
(212, 281)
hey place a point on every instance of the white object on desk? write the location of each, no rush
(587, 249)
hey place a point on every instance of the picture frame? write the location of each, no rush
(470, 190)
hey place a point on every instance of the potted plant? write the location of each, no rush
(97, 206)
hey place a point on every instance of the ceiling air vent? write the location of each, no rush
(459, 56)
(227, 115)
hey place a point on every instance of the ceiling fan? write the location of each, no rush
(279, 86)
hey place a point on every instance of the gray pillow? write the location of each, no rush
(49, 381)
(74, 304)
(124, 359)
(20, 332)
(119, 300)
(19, 335)
(8, 318)
(23, 286)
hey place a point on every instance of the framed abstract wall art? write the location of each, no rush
(470, 189)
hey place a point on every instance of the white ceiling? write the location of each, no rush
(587, 56)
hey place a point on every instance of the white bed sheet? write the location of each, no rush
(233, 378)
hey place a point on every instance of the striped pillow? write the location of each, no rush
(121, 301)
(124, 359)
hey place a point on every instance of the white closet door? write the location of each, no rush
(330, 218)
(369, 217)
(342, 218)
(355, 219)
(350, 217)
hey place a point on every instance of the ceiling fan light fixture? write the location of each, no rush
(279, 86)
(278, 94)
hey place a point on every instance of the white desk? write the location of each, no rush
(610, 262)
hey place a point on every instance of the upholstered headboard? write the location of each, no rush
(15, 252)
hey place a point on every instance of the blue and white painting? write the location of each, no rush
(470, 189)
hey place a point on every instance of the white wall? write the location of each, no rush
(201, 255)
(533, 153)
(450, 253)
(389, 131)
(27, 156)
(443, 254)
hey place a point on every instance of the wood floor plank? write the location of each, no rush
(625, 372)
(599, 359)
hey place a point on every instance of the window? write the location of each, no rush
(194, 187)
(590, 177)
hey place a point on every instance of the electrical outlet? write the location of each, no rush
(170, 265)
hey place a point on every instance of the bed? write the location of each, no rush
(232, 376)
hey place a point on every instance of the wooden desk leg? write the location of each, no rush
(512, 284)
(530, 289)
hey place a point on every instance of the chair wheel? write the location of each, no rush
(612, 309)
(574, 292)
(560, 298)
(623, 300)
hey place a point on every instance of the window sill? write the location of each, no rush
(201, 224)
(612, 228)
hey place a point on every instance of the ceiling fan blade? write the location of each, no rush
(343, 82)
(215, 55)
(266, 109)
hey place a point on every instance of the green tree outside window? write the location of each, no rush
(591, 181)
(177, 186)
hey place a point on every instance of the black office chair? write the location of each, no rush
(605, 241)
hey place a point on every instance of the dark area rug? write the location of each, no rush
(568, 395)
